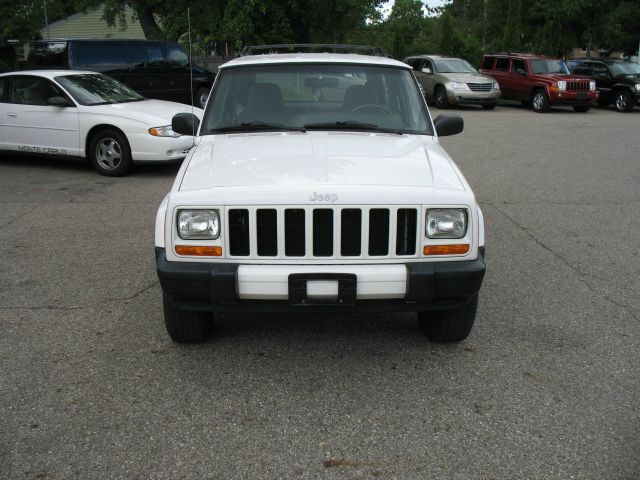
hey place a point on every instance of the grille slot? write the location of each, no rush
(480, 87)
(322, 232)
(578, 86)
(406, 231)
(294, 232)
(351, 232)
(267, 232)
(379, 231)
(239, 232)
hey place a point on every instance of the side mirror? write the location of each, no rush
(57, 102)
(185, 123)
(426, 70)
(448, 125)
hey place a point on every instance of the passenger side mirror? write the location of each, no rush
(426, 70)
(57, 102)
(448, 125)
(185, 123)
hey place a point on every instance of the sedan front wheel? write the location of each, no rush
(109, 153)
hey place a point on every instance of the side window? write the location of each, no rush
(92, 54)
(413, 63)
(487, 63)
(176, 57)
(518, 66)
(599, 70)
(428, 64)
(502, 64)
(138, 55)
(32, 90)
(155, 58)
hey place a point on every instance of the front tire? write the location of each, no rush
(184, 326)
(623, 101)
(202, 95)
(540, 101)
(109, 153)
(441, 99)
(449, 325)
(581, 108)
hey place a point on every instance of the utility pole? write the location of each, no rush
(46, 22)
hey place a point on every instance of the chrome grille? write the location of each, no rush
(322, 233)
(578, 86)
(480, 87)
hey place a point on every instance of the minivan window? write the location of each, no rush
(155, 58)
(138, 56)
(177, 58)
(454, 66)
(101, 54)
(48, 54)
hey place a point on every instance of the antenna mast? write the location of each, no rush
(193, 130)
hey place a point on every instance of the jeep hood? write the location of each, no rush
(319, 158)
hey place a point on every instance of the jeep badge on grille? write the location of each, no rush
(323, 197)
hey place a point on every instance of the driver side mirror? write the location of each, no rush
(426, 70)
(448, 125)
(57, 102)
(185, 123)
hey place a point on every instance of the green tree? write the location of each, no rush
(512, 37)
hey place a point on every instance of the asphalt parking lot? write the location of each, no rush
(546, 386)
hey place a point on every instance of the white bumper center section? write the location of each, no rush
(271, 282)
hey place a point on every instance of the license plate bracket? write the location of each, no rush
(347, 288)
(582, 96)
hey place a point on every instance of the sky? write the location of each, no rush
(386, 7)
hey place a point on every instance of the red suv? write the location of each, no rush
(539, 81)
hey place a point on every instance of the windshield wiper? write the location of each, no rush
(257, 125)
(351, 125)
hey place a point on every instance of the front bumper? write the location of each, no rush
(147, 148)
(572, 98)
(468, 97)
(216, 287)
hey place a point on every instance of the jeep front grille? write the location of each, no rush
(480, 87)
(578, 86)
(322, 233)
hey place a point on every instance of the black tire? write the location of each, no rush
(109, 153)
(623, 101)
(540, 101)
(449, 325)
(581, 108)
(440, 97)
(202, 94)
(489, 106)
(184, 326)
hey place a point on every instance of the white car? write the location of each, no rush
(86, 114)
(318, 183)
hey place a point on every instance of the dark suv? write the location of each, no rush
(539, 81)
(153, 69)
(617, 81)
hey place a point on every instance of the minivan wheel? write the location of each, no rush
(623, 101)
(202, 95)
(441, 97)
(540, 101)
(109, 153)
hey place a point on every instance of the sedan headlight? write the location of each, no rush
(165, 131)
(496, 86)
(562, 85)
(198, 224)
(458, 86)
(446, 223)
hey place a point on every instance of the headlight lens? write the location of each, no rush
(458, 86)
(496, 86)
(592, 85)
(637, 87)
(562, 85)
(446, 223)
(198, 224)
(165, 131)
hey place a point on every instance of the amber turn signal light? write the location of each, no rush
(459, 249)
(199, 251)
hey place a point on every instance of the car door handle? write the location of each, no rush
(12, 115)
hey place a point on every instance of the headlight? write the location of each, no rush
(562, 85)
(458, 86)
(592, 85)
(446, 223)
(165, 131)
(198, 224)
(496, 86)
(637, 87)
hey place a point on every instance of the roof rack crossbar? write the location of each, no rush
(312, 48)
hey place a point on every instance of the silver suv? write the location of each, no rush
(452, 81)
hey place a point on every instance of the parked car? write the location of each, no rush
(153, 69)
(86, 114)
(539, 81)
(452, 81)
(318, 183)
(617, 81)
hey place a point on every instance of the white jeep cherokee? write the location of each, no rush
(318, 184)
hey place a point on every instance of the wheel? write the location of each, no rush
(623, 101)
(581, 108)
(441, 99)
(540, 101)
(202, 95)
(109, 153)
(371, 106)
(185, 326)
(489, 106)
(449, 325)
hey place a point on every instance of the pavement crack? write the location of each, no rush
(138, 293)
(15, 219)
(48, 307)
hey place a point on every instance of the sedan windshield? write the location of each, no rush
(454, 66)
(624, 68)
(549, 66)
(96, 89)
(301, 97)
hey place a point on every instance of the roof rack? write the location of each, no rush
(312, 48)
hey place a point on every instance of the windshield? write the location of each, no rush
(96, 89)
(624, 68)
(549, 66)
(316, 96)
(454, 66)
